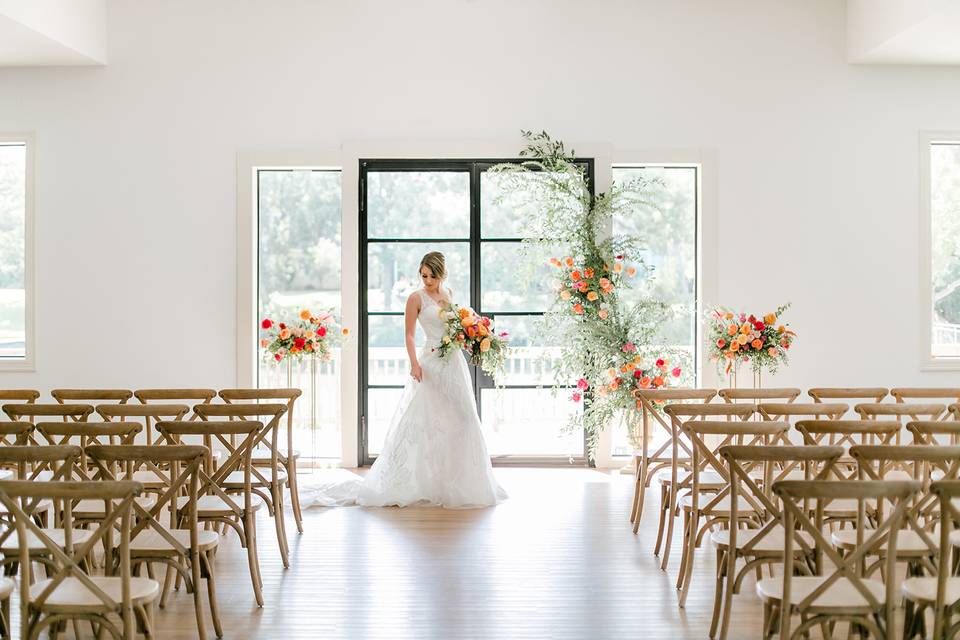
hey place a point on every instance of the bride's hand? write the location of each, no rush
(416, 372)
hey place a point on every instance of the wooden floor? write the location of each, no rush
(557, 560)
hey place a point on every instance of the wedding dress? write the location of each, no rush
(434, 452)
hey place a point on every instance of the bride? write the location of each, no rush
(434, 453)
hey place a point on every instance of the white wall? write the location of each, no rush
(53, 32)
(136, 161)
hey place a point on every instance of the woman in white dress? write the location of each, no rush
(434, 453)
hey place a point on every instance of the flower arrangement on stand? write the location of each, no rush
(468, 330)
(735, 338)
(588, 316)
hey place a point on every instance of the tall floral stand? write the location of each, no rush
(312, 407)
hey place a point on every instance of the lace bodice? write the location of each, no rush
(429, 319)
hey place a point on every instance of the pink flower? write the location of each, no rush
(582, 384)
(676, 372)
(575, 397)
(629, 348)
(264, 343)
(277, 356)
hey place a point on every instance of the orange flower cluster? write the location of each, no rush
(632, 376)
(585, 288)
(309, 336)
(739, 337)
(468, 330)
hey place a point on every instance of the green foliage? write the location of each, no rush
(574, 225)
(12, 203)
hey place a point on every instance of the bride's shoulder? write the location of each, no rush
(414, 299)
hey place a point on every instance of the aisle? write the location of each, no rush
(555, 561)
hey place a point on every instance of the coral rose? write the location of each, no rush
(588, 273)
(284, 334)
(756, 344)
(565, 294)
(658, 382)
(485, 344)
(592, 296)
(575, 275)
(603, 314)
(721, 343)
(734, 346)
(264, 343)
(732, 330)
(568, 261)
(644, 382)
(578, 308)
(631, 271)
(772, 352)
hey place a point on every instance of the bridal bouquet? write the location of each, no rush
(735, 337)
(468, 330)
(309, 336)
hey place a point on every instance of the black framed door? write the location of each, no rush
(409, 207)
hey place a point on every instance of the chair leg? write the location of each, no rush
(637, 490)
(718, 592)
(250, 533)
(688, 566)
(294, 490)
(212, 593)
(5, 618)
(280, 524)
(197, 599)
(664, 505)
(670, 520)
(684, 532)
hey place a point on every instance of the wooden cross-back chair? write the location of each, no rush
(848, 395)
(70, 591)
(86, 434)
(91, 396)
(179, 544)
(954, 411)
(753, 471)
(38, 464)
(219, 499)
(846, 434)
(15, 433)
(703, 510)
(793, 411)
(681, 454)
(935, 432)
(787, 394)
(45, 412)
(901, 412)
(150, 414)
(286, 455)
(835, 589)
(28, 396)
(189, 397)
(941, 591)
(268, 479)
(648, 464)
(904, 395)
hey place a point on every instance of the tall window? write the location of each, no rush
(411, 207)
(944, 229)
(667, 228)
(14, 258)
(298, 266)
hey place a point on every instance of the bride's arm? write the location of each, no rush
(410, 335)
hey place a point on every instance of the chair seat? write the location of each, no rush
(12, 544)
(771, 544)
(925, 590)
(845, 507)
(150, 542)
(7, 585)
(235, 479)
(261, 455)
(212, 506)
(91, 509)
(839, 596)
(71, 593)
(722, 506)
(909, 542)
(707, 478)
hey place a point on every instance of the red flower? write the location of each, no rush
(637, 373)
(266, 324)
(752, 319)
(582, 384)
(676, 372)
(299, 342)
(485, 320)
(660, 362)
(620, 257)
(282, 326)
(575, 397)
(322, 331)
(759, 326)
(721, 343)
(277, 356)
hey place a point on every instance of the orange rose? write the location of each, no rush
(770, 318)
(735, 346)
(575, 275)
(745, 328)
(345, 331)
(617, 268)
(304, 315)
(464, 312)
(578, 308)
(732, 330)
(469, 321)
(485, 344)
(756, 344)
(592, 295)
(482, 330)
(644, 382)
(284, 334)
(742, 339)
(554, 262)
(658, 382)
(568, 261)
(588, 273)
(631, 271)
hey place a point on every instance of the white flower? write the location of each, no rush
(446, 339)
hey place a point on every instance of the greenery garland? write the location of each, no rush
(608, 346)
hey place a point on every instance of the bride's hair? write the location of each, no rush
(436, 263)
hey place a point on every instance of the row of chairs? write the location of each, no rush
(699, 486)
(242, 469)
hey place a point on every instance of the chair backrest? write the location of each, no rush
(926, 431)
(238, 457)
(929, 394)
(31, 461)
(848, 433)
(148, 413)
(268, 436)
(290, 395)
(28, 396)
(86, 434)
(795, 496)
(707, 437)
(792, 410)
(787, 394)
(176, 469)
(22, 498)
(189, 397)
(91, 396)
(900, 410)
(947, 493)
(954, 411)
(12, 433)
(843, 394)
(33, 412)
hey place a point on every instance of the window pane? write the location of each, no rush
(529, 422)
(518, 210)
(299, 268)
(945, 232)
(392, 272)
(515, 277)
(388, 362)
(381, 405)
(13, 193)
(418, 204)
(668, 229)
(530, 361)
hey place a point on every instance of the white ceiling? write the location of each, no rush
(36, 33)
(903, 32)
